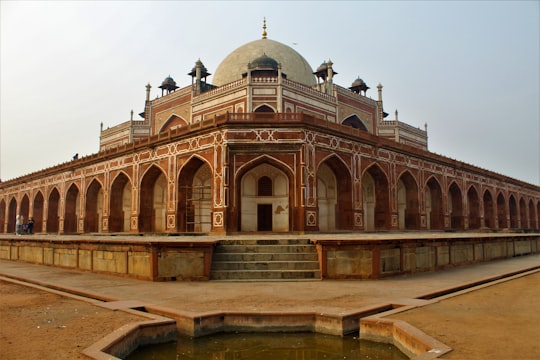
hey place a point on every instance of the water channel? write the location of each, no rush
(269, 346)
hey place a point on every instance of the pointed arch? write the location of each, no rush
(53, 211)
(24, 208)
(326, 197)
(153, 202)
(261, 160)
(455, 207)
(489, 210)
(434, 205)
(355, 122)
(264, 108)
(334, 189)
(264, 209)
(524, 221)
(94, 207)
(195, 189)
(473, 202)
(502, 218)
(71, 214)
(263, 212)
(408, 203)
(12, 214)
(120, 204)
(538, 214)
(2, 216)
(513, 208)
(174, 121)
(37, 212)
(376, 199)
(532, 217)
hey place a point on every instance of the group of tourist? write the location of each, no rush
(24, 227)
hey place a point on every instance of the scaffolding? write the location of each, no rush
(198, 208)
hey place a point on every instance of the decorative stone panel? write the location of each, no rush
(311, 218)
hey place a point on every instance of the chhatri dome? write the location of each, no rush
(236, 63)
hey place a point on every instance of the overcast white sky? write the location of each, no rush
(470, 70)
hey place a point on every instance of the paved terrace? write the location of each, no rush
(329, 306)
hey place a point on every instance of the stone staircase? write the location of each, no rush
(266, 259)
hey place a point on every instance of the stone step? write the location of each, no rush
(265, 259)
(264, 275)
(268, 265)
(295, 248)
(265, 242)
(254, 256)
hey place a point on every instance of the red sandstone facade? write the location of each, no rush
(271, 150)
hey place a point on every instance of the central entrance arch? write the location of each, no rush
(264, 200)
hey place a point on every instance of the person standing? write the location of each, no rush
(31, 225)
(19, 220)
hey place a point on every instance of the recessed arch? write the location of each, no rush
(264, 212)
(261, 160)
(455, 207)
(532, 217)
(502, 221)
(12, 214)
(2, 216)
(264, 108)
(38, 211)
(513, 208)
(408, 203)
(376, 199)
(334, 189)
(120, 204)
(71, 214)
(473, 202)
(174, 121)
(434, 205)
(24, 208)
(524, 220)
(538, 214)
(326, 197)
(153, 201)
(489, 210)
(236, 222)
(195, 189)
(53, 211)
(94, 207)
(355, 122)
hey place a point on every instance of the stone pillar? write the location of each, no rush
(135, 200)
(308, 188)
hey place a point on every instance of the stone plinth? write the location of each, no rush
(140, 258)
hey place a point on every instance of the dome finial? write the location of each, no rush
(264, 28)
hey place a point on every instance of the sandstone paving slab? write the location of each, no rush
(336, 296)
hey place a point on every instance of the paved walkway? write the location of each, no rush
(337, 297)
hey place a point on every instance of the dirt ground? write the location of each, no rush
(497, 322)
(36, 324)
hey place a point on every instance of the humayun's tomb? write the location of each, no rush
(270, 145)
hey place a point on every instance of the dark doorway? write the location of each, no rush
(264, 217)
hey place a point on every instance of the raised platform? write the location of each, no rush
(330, 307)
(271, 257)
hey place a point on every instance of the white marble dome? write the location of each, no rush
(236, 63)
